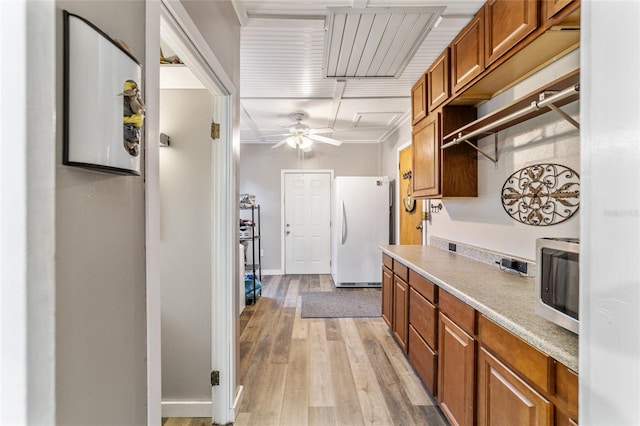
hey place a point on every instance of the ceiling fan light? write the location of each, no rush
(306, 143)
(291, 141)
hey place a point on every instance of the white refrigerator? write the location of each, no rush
(359, 224)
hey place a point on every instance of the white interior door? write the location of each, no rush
(307, 223)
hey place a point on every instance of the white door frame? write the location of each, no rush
(282, 212)
(224, 219)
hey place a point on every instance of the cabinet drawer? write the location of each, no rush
(459, 312)
(387, 261)
(423, 359)
(423, 317)
(532, 364)
(426, 288)
(400, 270)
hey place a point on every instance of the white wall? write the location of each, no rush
(482, 221)
(610, 232)
(218, 24)
(185, 244)
(260, 169)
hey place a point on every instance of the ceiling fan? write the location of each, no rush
(302, 136)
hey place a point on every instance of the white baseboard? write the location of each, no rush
(186, 408)
(272, 272)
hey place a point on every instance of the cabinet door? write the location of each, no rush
(552, 7)
(426, 157)
(456, 372)
(438, 81)
(400, 312)
(506, 23)
(467, 52)
(387, 296)
(419, 100)
(505, 399)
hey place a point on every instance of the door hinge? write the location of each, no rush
(215, 378)
(215, 130)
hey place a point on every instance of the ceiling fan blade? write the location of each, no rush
(322, 130)
(279, 144)
(324, 139)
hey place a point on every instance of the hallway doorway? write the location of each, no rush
(307, 221)
(197, 200)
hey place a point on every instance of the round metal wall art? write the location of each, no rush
(542, 194)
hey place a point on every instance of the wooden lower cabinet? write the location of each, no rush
(387, 296)
(504, 399)
(400, 311)
(456, 372)
(479, 372)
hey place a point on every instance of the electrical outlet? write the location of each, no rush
(452, 247)
(261, 252)
(515, 265)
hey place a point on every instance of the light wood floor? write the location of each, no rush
(341, 371)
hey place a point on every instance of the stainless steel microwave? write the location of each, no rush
(558, 281)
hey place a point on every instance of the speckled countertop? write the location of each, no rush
(502, 296)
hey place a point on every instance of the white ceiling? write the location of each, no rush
(281, 62)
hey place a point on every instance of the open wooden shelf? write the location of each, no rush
(561, 83)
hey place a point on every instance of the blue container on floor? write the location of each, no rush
(248, 288)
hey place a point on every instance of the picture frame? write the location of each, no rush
(103, 107)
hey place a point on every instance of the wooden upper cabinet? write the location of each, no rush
(449, 173)
(505, 399)
(438, 81)
(506, 23)
(426, 157)
(552, 7)
(467, 52)
(419, 100)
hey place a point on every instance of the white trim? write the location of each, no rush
(152, 213)
(282, 218)
(197, 54)
(191, 32)
(186, 409)
(27, 212)
(267, 272)
(13, 215)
